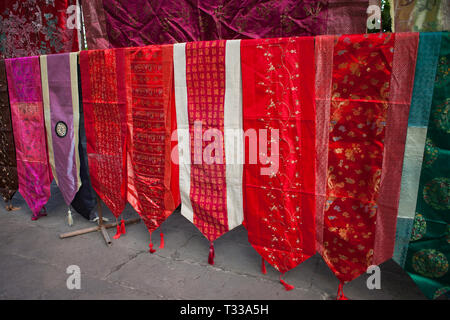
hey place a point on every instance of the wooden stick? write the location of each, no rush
(100, 223)
(97, 228)
(105, 235)
(101, 227)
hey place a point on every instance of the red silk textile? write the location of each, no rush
(32, 27)
(153, 188)
(367, 118)
(104, 103)
(278, 93)
(205, 78)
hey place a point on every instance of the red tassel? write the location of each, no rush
(151, 248)
(340, 293)
(122, 227)
(211, 254)
(118, 232)
(161, 244)
(287, 286)
(263, 266)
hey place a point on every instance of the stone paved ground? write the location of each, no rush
(33, 262)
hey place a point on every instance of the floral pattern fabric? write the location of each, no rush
(8, 165)
(278, 101)
(370, 96)
(427, 259)
(34, 27)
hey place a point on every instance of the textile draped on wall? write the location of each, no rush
(61, 110)
(209, 106)
(153, 188)
(95, 24)
(104, 101)
(278, 102)
(128, 99)
(34, 27)
(427, 259)
(33, 169)
(422, 15)
(143, 22)
(427, 59)
(372, 78)
(8, 165)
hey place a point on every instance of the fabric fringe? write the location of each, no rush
(69, 217)
(161, 244)
(122, 227)
(118, 232)
(211, 254)
(287, 286)
(340, 293)
(151, 250)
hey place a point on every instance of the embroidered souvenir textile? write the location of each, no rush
(8, 164)
(209, 117)
(33, 27)
(427, 259)
(372, 79)
(104, 102)
(61, 111)
(27, 114)
(279, 121)
(153, 187)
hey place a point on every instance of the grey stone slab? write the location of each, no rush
(33, 261)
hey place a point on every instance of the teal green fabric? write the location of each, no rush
(427, 260)
(427, 59)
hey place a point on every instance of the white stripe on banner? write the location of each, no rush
(47, 117)
(233, 127)
(76, 110)
(184, 148)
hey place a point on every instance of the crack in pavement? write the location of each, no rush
(121, 265)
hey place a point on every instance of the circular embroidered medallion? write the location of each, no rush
(61, 129)
(419, 228)
(431, 153)
(441, 116)
(436, 193)
(430, 263)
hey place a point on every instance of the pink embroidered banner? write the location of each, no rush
(27, 114)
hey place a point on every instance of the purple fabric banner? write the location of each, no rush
(61, 110)
(25, 93)
(144, 22)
